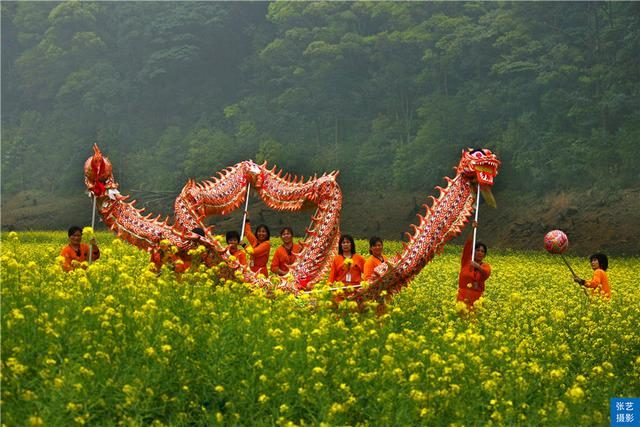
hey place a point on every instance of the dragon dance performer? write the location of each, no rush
(347, 266)
(162, 255)
(233, 239)
(473, 273)
(599, 283)
(77, 251)
(286, 253)
(179, 260)
(202, 255)
(376, 246)
(260, 245)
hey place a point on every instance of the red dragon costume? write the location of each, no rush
(443, 220)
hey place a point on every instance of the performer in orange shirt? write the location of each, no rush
(599, 283)
(77, 251)
(162, 255)
(179, 260)
(260, 245)
(375, 249)
(183, 261)
(208, 257)
(473, 273)
(347, 266)
(286, 253)
(233, 238)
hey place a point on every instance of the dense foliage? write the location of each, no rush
(388, 92)
(118, 345)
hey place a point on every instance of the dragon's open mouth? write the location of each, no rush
(486, 170)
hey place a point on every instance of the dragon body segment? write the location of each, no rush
(443, 220)
(323, 233)
(219, 196)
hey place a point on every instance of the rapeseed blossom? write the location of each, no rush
(112, 344)
(88, 233)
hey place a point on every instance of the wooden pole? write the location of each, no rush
(93, 223)
(244, 216)
(475, 227)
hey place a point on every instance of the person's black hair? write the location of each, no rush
(287, 228)
(372, 241)
(73, 229)
(602, 260)
(199, 231)
(349, 238)
(480, 244)
(259, 226)
(232, 234)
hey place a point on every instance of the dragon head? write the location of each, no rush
(98, 173)
(480, 167)
(254, 173)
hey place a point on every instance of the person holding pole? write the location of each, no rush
(260, 247)
(473, 271)
(599, 283)
(77, 252)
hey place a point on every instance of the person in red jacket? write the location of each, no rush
(599, 283)
(286, 253)
(473, 273)
(375, 249)
(78, 251)
(347, 266)
(260, 247)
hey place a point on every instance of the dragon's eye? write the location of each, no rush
(477, 154)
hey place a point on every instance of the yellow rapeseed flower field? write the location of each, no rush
(117, 344)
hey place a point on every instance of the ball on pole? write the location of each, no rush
(556, 242)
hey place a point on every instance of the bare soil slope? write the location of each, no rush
(593, 221)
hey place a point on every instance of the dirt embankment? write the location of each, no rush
(593, 221)
(609, 222)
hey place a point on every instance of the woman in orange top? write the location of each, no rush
(260, 245)
(162, 255)
(233, 238)
(77, 251)
(375, 249)
(286, 253)
(473, 273)
(180, 261)
(347, 266)
(207, 257)
(599, 283)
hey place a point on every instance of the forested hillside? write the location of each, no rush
(386, 92)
